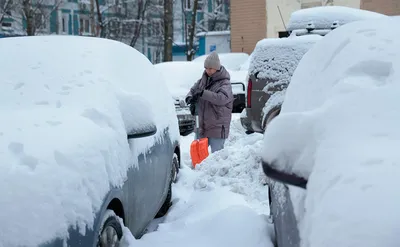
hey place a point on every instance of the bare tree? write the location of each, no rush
(191, 32)
(5, 9)
(168, 29)
(35, 13)
(218, 20)
(141, 16)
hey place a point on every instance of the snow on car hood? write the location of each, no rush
(63, 138)
(180, 76)
(339, 127)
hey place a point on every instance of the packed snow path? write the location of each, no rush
(224, 202)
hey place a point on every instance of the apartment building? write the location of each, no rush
(253, 20)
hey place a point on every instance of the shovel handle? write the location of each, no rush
(197, 122)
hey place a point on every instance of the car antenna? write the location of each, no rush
(280, 13)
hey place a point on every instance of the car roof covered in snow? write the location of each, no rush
(276, 58)
(323, 17)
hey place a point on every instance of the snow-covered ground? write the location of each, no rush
(224, 202)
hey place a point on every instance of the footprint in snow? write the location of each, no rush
(18, 85)
(24, 160)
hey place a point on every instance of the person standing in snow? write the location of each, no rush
(213, 97)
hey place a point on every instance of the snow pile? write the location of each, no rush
(180, 76)
(237, 167)
(231, 61)
(324, 17)
(223, 203)
(339, 127)
(64, 141)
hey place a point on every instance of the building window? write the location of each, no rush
(188, 4)
(200, 5)
(64, 24)
(84, 25)
(6, 24)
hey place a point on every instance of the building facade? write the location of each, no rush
(248, 24)
(253, 20)
(387, 7)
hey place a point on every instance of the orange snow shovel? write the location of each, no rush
(199, 147)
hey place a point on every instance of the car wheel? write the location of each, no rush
(175, 168)
(111, 232)
(167, 204)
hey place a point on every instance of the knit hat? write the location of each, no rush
(212, 61)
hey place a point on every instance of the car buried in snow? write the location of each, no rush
(89, 151)
(332, 153)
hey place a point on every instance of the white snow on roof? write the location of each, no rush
(66, 106)
(324, 16)
(213, 33)
(339, 127)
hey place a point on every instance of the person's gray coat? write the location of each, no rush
(215, 105)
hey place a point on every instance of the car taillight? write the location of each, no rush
(249, 89)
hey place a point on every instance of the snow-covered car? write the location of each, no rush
(231, 61)
(180, 77)
(273, 63)
(89, 142)
(332, 153)
(275, 60)
(323, 19)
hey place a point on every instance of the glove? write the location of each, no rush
(196, 95)
(188, 100)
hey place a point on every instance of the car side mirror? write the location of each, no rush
(148, 130)
(138, 116)
(272, 171)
